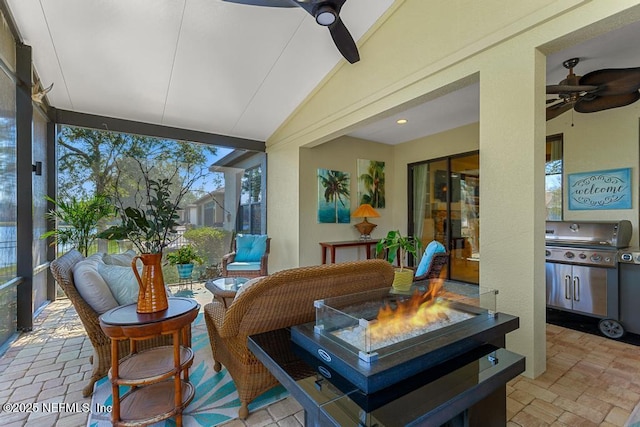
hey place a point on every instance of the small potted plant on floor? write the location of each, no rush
(396, 245)
(184, 259)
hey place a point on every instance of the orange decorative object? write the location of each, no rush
(152, 296)
(365, 227)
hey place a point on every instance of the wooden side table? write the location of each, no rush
(332, 246)
(159, 377)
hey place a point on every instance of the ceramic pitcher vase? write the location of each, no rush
(152, 296)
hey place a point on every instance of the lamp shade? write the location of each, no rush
(365, 211)
(365, 227)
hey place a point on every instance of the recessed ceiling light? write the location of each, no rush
(401, 121)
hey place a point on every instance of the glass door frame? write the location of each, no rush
(410, 200)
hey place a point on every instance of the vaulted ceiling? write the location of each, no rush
(205, 65)
(232, 69)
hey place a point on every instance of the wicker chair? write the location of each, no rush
(230, 258)
(61, 268)
(277, 301)
(438, 262)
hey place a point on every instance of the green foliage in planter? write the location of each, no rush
(151, 229)
(148, 207)
(76, 220)
(398, 245)
(184, 255)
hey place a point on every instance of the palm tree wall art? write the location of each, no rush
(371, 183)
(334, 197)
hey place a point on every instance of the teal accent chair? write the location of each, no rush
(249, 257)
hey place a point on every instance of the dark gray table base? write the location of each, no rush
(467, 390)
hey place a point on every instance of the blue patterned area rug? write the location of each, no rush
(215, 401)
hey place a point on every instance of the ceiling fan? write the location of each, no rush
(326, 13)
(595, 91)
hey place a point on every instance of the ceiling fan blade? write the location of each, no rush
(606, 102)
(613, 81)
(555, 110)
(554, 89)
(344, 42)
(341, 36)
(269, 3)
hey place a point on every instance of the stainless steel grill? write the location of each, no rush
(629, 267)
(611, 234)
(582, 269)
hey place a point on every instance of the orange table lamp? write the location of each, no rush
(365, 227)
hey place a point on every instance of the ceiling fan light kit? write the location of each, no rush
(325, 15)
(595, 91)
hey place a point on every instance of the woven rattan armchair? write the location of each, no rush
(230, 259)
(277, 301)
(62, 270)
(438, 262)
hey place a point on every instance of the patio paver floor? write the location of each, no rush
(590, 380)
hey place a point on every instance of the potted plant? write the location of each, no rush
(397, 245)
(184, 259)
(150, 224)
(76, 220)
(151, 229)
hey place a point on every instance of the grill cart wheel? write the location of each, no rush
(611, 328)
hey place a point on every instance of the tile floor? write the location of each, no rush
(590, 380)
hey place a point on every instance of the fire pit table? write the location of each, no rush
(453, 372)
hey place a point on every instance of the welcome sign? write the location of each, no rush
(608, 189)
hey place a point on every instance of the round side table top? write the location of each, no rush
(126, 315)
(225, 286)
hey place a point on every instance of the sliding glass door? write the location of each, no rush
(444, 206)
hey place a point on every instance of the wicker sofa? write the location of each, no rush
(277, 301)
(62, 270)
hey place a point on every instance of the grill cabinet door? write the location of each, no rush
(589, 285)
(559, 285)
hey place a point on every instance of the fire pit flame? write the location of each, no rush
(413, 317)
(418, 312)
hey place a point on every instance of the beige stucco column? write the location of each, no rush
(512, 157)
(283, 207)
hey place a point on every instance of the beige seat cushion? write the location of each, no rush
(121, 281)
(124, 259)
(91, 286)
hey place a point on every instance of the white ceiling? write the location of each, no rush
(616, 49)
(203, 65)
(450, 111)
(232, 69)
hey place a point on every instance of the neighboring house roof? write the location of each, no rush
(208, 197)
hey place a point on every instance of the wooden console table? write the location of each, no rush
(332, 246)
(158, 391)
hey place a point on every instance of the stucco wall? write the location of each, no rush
(341, 155)
(425, 49)
(598, 141)
(456, 141)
